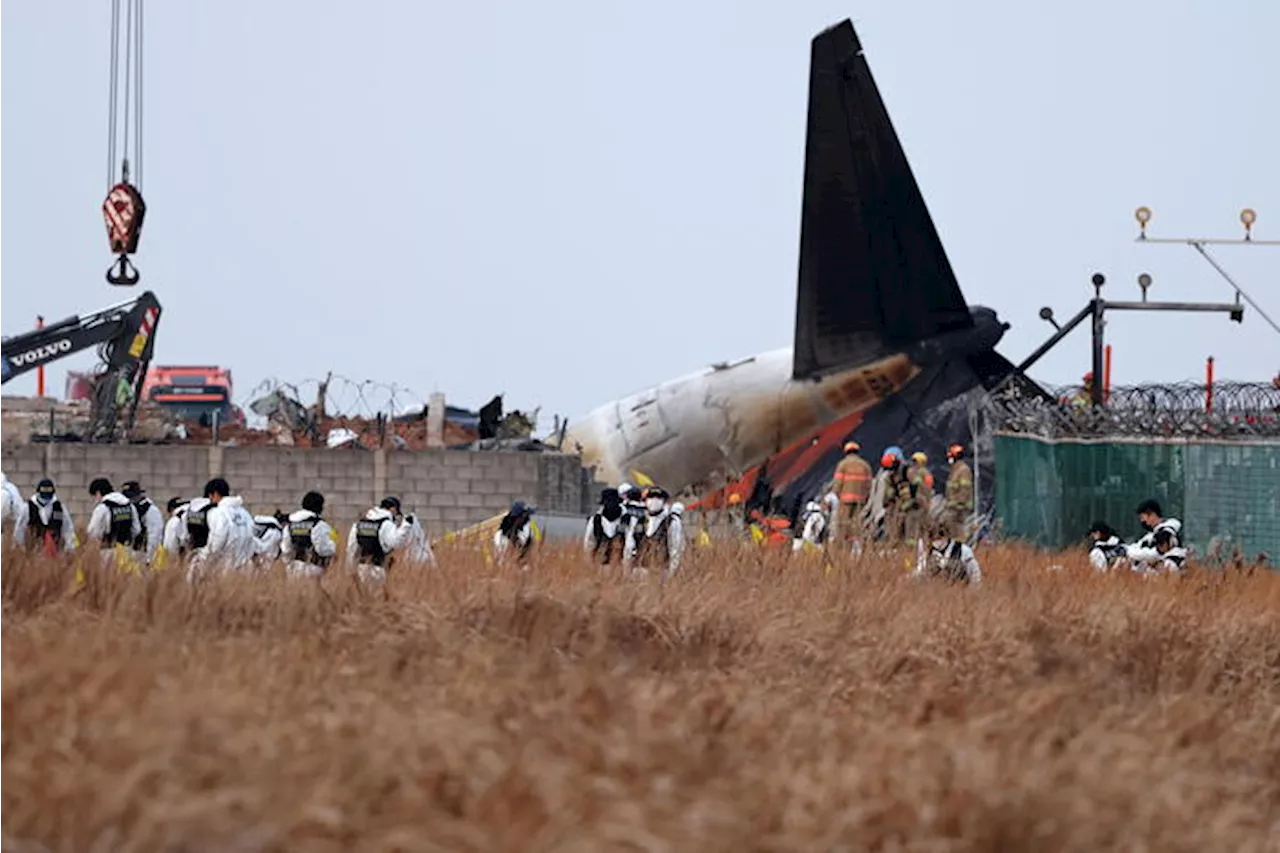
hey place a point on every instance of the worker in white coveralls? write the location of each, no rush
(173, 542)
(230, 546)
(946, 557)
(14, 513)
(151, 538)
(516, 534)
(310, 542)
(1106, 549)
(49, 524)
(268, 536)
(1160, 549)
(375, 540)
(416, 547)
(660, 541)
(605, 536)
(816, 523)
(113, 523)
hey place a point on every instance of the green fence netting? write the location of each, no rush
(1227, 494)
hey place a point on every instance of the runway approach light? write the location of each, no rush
(1144, 281)
(1143, 215)
(1248, 216)
(1046, 314)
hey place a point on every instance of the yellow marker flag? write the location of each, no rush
(641, 479)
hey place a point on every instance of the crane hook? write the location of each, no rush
(123, 273)
(124, 211)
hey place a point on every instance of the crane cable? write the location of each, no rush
(124, 103)
(124, 209)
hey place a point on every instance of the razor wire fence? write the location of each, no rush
(1188, 410)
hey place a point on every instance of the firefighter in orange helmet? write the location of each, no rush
(851, 485)
(959, 489)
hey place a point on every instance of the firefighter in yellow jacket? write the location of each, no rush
(921, 480)
(959, 490)
(851, 485)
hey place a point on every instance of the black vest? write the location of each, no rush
(654, 548)
(198, 526)
(140, 541)
(605, 545)
(36, 529)
(367, 540)
(121, 530)
(303, 548)
(947, 563)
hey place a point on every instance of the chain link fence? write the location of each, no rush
(1210, 457)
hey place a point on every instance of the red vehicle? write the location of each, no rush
(195, 393)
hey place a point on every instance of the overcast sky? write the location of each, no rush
(571, 201)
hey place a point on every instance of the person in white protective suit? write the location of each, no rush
(268, 536)
(416, 547)
(231, 544)
(151, 538)
(660, 542)
(375, 539)
(605, 536)
(15, 511)
(1160, 549)
(815, 523)
(49, 523)
(516, 534)
(946, 557)
(1106, 549)
(310, 542)
(114, 521)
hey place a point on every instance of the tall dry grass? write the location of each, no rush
(749, 705)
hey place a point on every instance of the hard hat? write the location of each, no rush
(919, 457)
(955, 450)
(894, 450)
(852, 446)
(888, 460)
(1088, 377)
(735, 498)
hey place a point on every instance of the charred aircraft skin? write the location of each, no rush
(879, 313)
(731, 417)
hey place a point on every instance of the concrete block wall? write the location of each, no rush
(449, 489)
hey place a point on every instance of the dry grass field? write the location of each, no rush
(748, 705)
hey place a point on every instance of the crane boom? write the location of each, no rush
(125, 336)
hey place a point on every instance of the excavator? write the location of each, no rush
(125, 337)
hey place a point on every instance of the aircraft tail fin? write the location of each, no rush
(874, 277)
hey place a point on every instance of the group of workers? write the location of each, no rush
(898, 502)
(215, 532)
(1158, 551)
(637, 529)
(640, 529)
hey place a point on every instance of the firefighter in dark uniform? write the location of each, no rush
(49, 524)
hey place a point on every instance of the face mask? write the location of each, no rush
(654, 505)
(44, 499)
(1146, 525)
